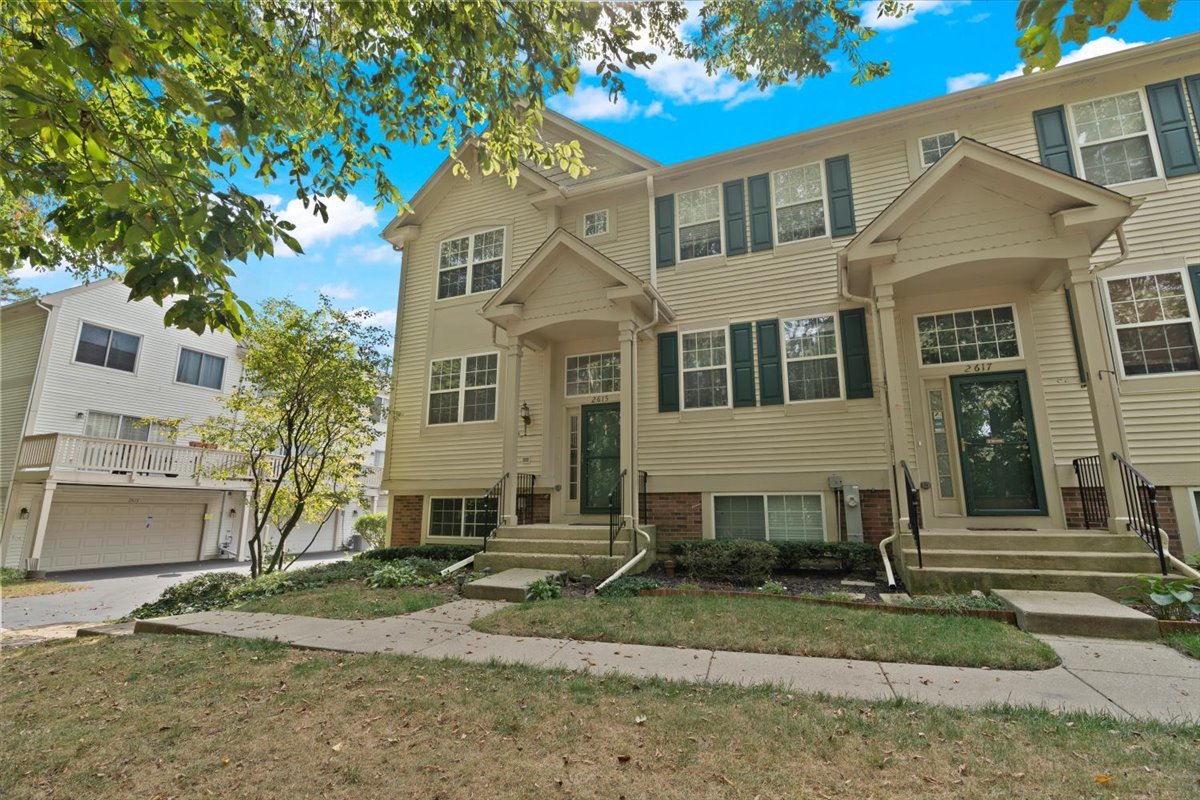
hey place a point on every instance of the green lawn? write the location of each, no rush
(352, 600)
(198, 716)
(1186, 643)
(774, 626)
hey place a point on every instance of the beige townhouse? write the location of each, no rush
(965, 327)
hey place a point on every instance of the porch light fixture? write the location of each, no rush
(526, 418)
(24, 514)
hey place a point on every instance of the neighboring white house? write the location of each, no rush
(90, 475)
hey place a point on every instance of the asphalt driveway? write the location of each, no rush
(114, 592)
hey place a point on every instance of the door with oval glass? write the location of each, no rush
(601, 456)
(997, 445)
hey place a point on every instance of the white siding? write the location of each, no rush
(21, 332)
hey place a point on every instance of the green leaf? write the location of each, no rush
(116, 194)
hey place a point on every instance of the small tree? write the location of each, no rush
(372, 527)
(301, 415)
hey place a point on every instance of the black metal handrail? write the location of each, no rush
(1141, 497)
(1091, 491)
(914, 509)
(525, 483)
(493, 506)
(643, 502)
(616, 511)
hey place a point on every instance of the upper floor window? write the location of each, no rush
(380, 455)
(379, 409)
(1155, 324)
(596, 373)
(105, 347)
(470, 264)
(810, 346)
(705, 369)
(699, 221)
(1112, 136)
(935, 146)
(970, 335)
(200, 369)
(124, 426)
(463, 389)
(799, 203)
(596, 223)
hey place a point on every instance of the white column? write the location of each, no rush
(510, 413)
(39, 530)
(1101, 383)
(893, 377)
(244, 529)
(627, 335)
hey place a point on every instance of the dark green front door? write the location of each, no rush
(601, 463)
(997, 445)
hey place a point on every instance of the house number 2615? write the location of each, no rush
(984, 367)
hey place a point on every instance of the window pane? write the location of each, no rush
(134, 429)
(489, 246)
(698, 241)
(705, 388)
(102, 426)
(934, 147)
(958, 336)
(212, 371)
(699, 205)
(813, 336)
(1108, 118)
(452, 282)
(801, 222)
(479, 404)
(444, 374)
(595, 223)
(189, 367)
(454, 253)
(478, 518)
(122, 352)
(593, 374)
(443, 408)
(486, 277)
(704, 349)
(445, 516)
(797, 185)
(813, 379)
(1119, 162)
(795, 518)
(481, 370)
(93, 345)
(739, 517)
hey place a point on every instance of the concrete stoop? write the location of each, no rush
(510, 585)
(572, 549)
(1077, 614)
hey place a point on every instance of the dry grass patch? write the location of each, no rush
(36, 588)
(760, 625)
(352, 600)
(146, 716)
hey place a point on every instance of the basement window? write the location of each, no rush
(460, 516)
(769, 517)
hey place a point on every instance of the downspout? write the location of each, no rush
(877, 337)
(1124, 254)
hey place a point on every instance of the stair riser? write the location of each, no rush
(564, 533)
(1101, 543)
(923, 582)
(599, 567)
(1089, 562)
(554, 547)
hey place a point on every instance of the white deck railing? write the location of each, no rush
(60, 452)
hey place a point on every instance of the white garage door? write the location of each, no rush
(83, 535)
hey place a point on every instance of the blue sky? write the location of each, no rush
(672, 113)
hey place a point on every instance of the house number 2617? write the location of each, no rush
(984, 367)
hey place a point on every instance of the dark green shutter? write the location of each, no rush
(741, 348)
(735, 217)
(841, 197)
(1075, 338)
(1193, 90)
(760, 212)
(1175, 143)
(664, 229)
(770, 367)
(668, 371)
(856, 354)
(1194, 274)
(1054, 143)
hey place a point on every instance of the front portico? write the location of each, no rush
(568, 300)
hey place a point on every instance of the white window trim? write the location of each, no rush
(567, 368)
(1151, 133)
(462, 522)
(837, 334)
(179, 357)
(137, 360)
(728, 370)
(921, 148)
(462, 389)
(775, 209)
(720, 220)
(1020, 356)
(470, 265)
(1193, 312)
(766, 515)
(607, 226)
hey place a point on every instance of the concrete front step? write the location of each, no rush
(1082, 561)
(509, 585)
(598, 567)
(944, 580)
(589, 547)
(552, 531)
(1077, 614)
(1029, 541)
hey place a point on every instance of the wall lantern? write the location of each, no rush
(526, 418)
(24, 514)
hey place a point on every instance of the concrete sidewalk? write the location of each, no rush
(1124, 679)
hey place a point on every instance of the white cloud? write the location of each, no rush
(369, 254)
(593, 102)
(871, 18)
(977, 18)
(346, 217)
(685, 82)
(338, 291)
(970, 80)
(272, 200)
(381, 319)
(1097, 47)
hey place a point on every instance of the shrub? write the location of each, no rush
(11, 575)
(737, 560)
(395, 575)
(543, 589)
(1166, 598)
(435, 552)
(816, 556)
(372, 527)
(957, 602)
(773, 587)
(628, 586)
(202, 593)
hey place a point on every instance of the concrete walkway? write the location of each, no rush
(1124, 679)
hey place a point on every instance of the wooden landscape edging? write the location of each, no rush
(1166, 626)
(1007, 617)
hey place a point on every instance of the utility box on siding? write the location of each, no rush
(852, 507)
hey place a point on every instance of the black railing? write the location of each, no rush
(1091, 492)
(914, 509)
(616, 511)
(525, 483)
(492, 507)
(643, 503)
(1142, 501)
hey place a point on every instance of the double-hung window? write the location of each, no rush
(935, 146)
(200, 369)
(470, 264)
(1112, 136)
(1155, 323)
(769, 517)
(699, 215)
(799, 203)
(705, 369)
(462, 389)
(595, 373)
(811, 348)
(460, 516)
(105, 347)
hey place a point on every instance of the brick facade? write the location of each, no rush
(877, 516)
(406, 519)
(541, 509)
(1167, 519)
(678, 515)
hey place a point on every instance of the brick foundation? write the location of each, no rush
(541, 509)
(1167, 520)
(678, 515)
(406, 520)
(878, 522)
